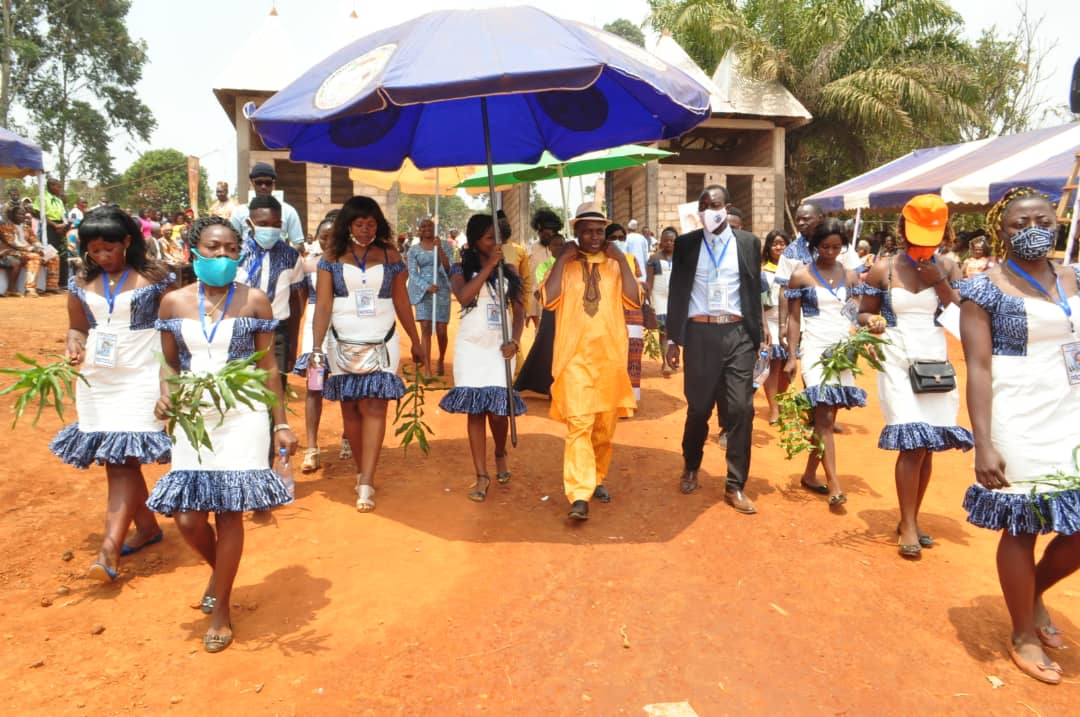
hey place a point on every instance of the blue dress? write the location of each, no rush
(235, 476)
(116, 410)
(420, 262)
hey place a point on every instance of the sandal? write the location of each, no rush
(478, 494)
(909, 551)
(208, 603)
(346, 449)
(838, 499)
(217, 643)
(365, 501)
(503, 476)
(820, 488)
(1050, 636)
(126, 549)
(311, 460)
(1050, 673)
(925, 540)
(100, 571)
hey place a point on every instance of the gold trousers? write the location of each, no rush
(588, 453)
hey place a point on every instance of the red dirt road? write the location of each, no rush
(434, 605)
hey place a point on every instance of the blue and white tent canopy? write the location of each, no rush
(972, 173)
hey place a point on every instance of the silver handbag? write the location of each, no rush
(362, 357)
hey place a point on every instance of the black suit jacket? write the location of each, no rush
(684, 267)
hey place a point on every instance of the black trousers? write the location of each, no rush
(57, 241)
(718, 362)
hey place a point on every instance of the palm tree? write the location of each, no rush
(879, 80)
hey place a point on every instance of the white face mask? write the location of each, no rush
(712, 219)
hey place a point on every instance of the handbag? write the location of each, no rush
(362, 357)
(648, 317)
(932, 376)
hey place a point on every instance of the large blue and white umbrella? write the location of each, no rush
(457, 87)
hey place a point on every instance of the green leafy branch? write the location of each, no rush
(652, 345)
(796, 414)
(239, 382)
(1060, 482)
(409, 417)
(50, 384)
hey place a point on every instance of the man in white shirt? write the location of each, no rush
(263, 178)
(272, 266)
(637, 245)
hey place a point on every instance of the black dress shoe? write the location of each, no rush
(579, 510)
(688, 482)
(601, 494)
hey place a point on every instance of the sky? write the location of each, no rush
(190, 48)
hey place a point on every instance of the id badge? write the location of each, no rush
(717, 294)
(494, 320)
(365, 302)
(850, 311)
(105, 350)
(1070, 353)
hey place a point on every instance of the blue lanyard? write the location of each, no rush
(821, 280)
(717, 262)
(1062, 303)
(361, 262)
(110, 297)
(202, 312)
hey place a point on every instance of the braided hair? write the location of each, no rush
(996, 214)
(201, 225)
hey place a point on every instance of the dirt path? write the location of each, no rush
(436, 605)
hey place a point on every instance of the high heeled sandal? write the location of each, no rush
(346, 449)
(478, 494)
(504, 476)
(311, 461)
(365, 501)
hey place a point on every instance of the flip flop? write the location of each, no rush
(101, 572)
(126, 549)
(1043, 672)
(820, 488)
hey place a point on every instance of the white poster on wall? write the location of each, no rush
(689, 219)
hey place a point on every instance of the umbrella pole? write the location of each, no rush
(435, 268)
(563, 191)
(499, 291)
(1071, 241)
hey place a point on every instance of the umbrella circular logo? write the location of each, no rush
(349, 80)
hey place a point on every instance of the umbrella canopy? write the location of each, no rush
(416, 181)
(415, 90)
(550, 167)
(18, 157)
(977, 172)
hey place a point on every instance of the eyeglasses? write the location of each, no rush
(263, 182)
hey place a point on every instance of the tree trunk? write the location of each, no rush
(5, 65)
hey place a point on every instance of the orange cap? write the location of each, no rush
(925, 219)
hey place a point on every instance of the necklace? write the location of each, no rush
(112, 281)
(219, 302)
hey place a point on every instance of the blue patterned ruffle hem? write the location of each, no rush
(351, 386)
(300, 367)
(489, 399)
(1019, 513)
(912, 436)
(777, 352)
(218, 491)
(831, 395)
(80, 449)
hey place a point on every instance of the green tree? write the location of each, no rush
(72, 67)
(453, 212)
(879, 80)
(627, 31)
(158, 179)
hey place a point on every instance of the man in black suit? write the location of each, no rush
(714, 314)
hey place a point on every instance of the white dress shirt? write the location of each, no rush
(725, 273)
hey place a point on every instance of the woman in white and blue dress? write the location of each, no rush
(480, 356)
(360, 292)
(821, 314)
(1020, 327)
(203, 326)
(112, 306)
(901, 298)
(777, 382)
(429, 276)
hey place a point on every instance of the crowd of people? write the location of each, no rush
(721, 300)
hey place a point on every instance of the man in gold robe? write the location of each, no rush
(587, 288)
